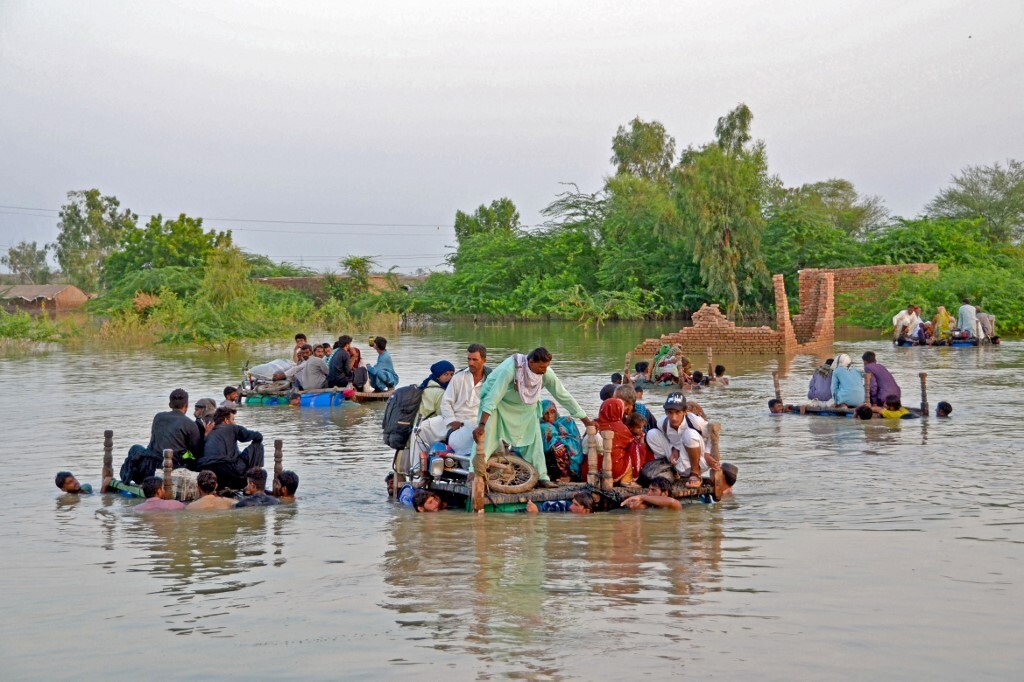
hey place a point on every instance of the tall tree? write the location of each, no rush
(28, 263)
(643, 149)
(855, 214)
(994, 193)
(163, 243)
(719, 190)
(90, 230)
(500, 216)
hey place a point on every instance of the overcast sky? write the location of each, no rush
(401, 113)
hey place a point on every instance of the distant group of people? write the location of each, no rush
(971, 323)
(837, 383)
(670, 366)
(341, 365)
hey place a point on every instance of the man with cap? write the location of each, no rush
(681, 439)
(171, 430)
(459, 405)
(510, 407)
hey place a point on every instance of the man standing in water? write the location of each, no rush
(510, 408)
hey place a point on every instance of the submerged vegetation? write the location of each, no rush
(664, 234)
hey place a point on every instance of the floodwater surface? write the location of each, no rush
(849, 550)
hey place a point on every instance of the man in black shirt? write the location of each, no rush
(172, 430)
(339, 372)
(255, 494)
(221, 455)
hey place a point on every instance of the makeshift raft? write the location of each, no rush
(321, 397)
(612, 498)
(849, 411)
(181, 483)
(473, 492)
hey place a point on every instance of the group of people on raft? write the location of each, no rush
(338, 365)
(970, 324)
(503, 406)
(206, 445)
(837, 383)
(670, 367)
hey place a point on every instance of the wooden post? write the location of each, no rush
(168, 467)
(607, 482)
(479, 485)
(108, 459)
(924, 393)
(711, 364)
(278, 456)
(717, 477)
(625, 370)
(778, 389)
(592, 471)
(867, 388)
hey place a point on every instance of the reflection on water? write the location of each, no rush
(900, 539)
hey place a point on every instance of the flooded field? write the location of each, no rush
(849, 550)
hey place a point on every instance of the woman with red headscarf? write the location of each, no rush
(626, 455)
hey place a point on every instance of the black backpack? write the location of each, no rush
(400, 414)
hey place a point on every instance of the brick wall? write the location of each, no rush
(711, 329)
(866, 279)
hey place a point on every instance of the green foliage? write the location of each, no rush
(90, 230)
(945, 242)
(719, 189)
(846, 210)
(181, 242)
(21, 325)
(28, 263)
(261, 266)
(643, 150)
(120, 298)
(800, 233)
(500, 216)
(992, 193)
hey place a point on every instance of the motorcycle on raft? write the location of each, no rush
(422, 463)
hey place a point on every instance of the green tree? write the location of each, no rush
(28, 263)
(181, 242)
(643, 149)
(500, 216)
(719, 190)
(90, 230)
(358, 269)
(993, 193)
(853, 213)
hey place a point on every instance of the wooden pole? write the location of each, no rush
(626, 381)
(717, 477)
(108, 459)
(606, 460)
(592, 471)
(479, 485)
(278, 467)
(711, 364)
(924, 393)
(867, 387)
(778, 389)
(168, 467)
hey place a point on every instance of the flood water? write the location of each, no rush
(849, 550)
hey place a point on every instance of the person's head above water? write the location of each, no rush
(775, 406)
(152, 486)
(289, 481)
(943, 409)
(67, 482)
(616, 378)
(659, 487)
(863, 412)
(256, 478)
(207, 482)
(426, 501)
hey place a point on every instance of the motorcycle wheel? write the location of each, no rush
(510, 474)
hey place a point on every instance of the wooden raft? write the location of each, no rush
(365, 397)
(565, 491)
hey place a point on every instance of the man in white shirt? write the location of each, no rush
(459, 405)
(905, 318)
(967, 320)
(680, 439)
